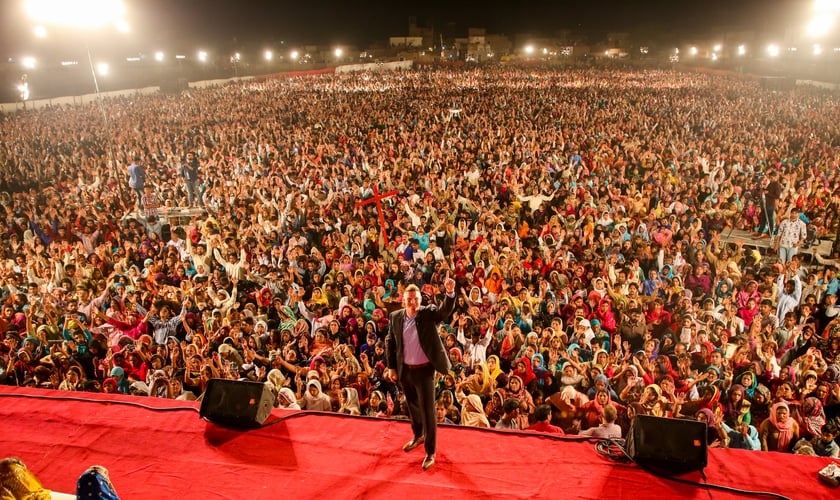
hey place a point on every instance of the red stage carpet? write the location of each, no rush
(166, 451)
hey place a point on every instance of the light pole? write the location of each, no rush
(85, 16)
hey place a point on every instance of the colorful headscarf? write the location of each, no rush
(498, 370)
(750, 390)
(813, 416)
(785, 429)
(710, 417)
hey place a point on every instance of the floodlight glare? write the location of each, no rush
(202, 56)
(742, 49)
(23, 89)
(714, 56)
(529, 49)
(817, 49)
(122, 26)
(820, 25)
(76, 13)
(237, 56)
(693, 51)
(40, 31)
(826, 6)
(772, 50)
(294, 55)
(159, 56)
(28, 62)
(338, 52)
(269, 55)
(102, 68)
(717, 47)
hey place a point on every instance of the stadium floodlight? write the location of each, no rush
(28, 62)
(714, 56)
(529, 49)
(338, 53)
(237, 57)
(122, 26)
(824, 16)
(717, 47)
(40, 31)
(817, 50)
(269, 55)
(294, 55)
(820, 25)
(202, 56)
(693, 51)
(85, 14)
(102, 68)
(773, 50)
(159, 56)
(742, 49)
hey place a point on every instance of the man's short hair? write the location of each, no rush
(412, 288)
(511, 404)
(610, 413)
(542, 413)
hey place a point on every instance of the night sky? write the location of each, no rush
(225, 24)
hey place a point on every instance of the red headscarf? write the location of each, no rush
(785, 429)
(527, 375)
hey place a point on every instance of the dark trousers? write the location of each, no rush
(419, 387)
(139, 197)
(768, 221)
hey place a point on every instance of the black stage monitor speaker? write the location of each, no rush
(668, 443)
(238, 404)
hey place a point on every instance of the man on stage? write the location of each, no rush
(413, 353)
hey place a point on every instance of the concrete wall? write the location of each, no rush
(391, 66)
(75, 100)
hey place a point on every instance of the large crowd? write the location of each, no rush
(584, 214)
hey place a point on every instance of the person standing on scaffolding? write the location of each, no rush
(137, 179)
(190, 172)
(770, 194)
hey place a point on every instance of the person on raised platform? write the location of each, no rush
(190, 172)
(414, 352)
(137, 179)
(792, 233)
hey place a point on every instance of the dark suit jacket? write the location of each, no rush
(427, 320)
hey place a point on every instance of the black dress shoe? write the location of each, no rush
(428, 462)
(414, 443)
